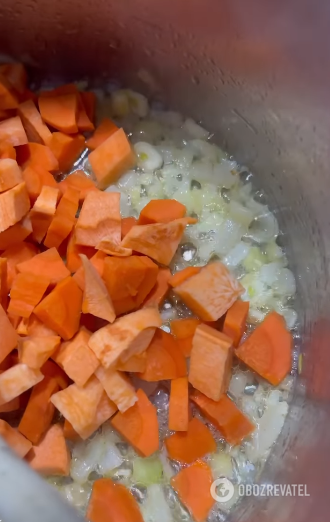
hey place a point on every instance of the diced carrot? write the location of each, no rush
(136, 363)
(35, 351)
(17, 442)
(36, 178)
(79, 405)
(112, 158)
(126, 225)
(45, 264)
(178, 412)
(43, 211)
(3, 283)
(10, 174)
(193, 444)
(61, 309)
(26, 292)
(89, 100)
(164, 360)
(16, 254)
(139, 425)
(183, 328)
(102, 133)
(118, 387)
(84, 124)
(14, 320)
(16, 234)
(8, 337)
(96, 299)
(51, 369)
(8, 98)
(36, 154)
(129, 335)
(182, 275)
(211, 362)
(97, 261)
(211, 292)
(99, 217)
(60, 112)
(69, 432)
(4, 115)
(51, 456)
(36, 130)
(39, 412)
(6, 363)
(17, 380)
(16, 75)
(112, 501)
(73, 260)
(193, 486)
(129, 280)
(157, 295)
(67, 88)
(161, 211)
(79, 181)
(158, 241)
(12, 131)
(226, 417)
(76, 358)
(268, 349)
(28, 95)
(36, 328)
(64, 219)
(235, 321)
(7, 150)
(14, 204)
(10, 406)
(22, 328)
(66, 149)
(113, 249)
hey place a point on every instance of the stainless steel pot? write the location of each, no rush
(257, 74)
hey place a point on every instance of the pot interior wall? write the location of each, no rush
(257, 75)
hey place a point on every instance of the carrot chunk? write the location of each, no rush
(39, 412)
(102, 133)
(80, 182)
(81, 406)
(14, 204)
(15, 234)
(61, 309)
(43, 211)
(97, 260)
(8, 98)
(46, 264)
(182, 275)
(26, 292)
(211, 292)
(210, 362)
(76, 358)
(112, 158)
(112, 501)
(66, 149)
(96, 300)
(193, 486)
(36, 130)
(69, 432)
(129, 280)
(36, 154)
(3, 283)
(158, 241)
(12, 131)
(268, 349)
(129, 335)
(158, 293)
(89, 100)
(126, 225)
(36, 178)
(8, 337)
(51, 456)
(16, 380)
(188, 446)
(60, 112)
(136, 363)
(10, 174)
(161, 211)
(99, 218)
(113, 249)
(7, 150)
(139, 425)
(226, 417)
(17, 442)
(34, 351)
(118, 387)
(51, 369)
(178, 414)
(64, 219)
(10, 406)
(16, 75)
(184, 330)
(164, 360)
(235, 321)
(73, 260)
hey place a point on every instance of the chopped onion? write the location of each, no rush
(169, 118)
(285, 283)
(236, 255)
(221, 465)
(206, 150)
(237, 384)
(155, 508)
(240, 213)
(85, 458)
(147, 130)
(138, 103)
(119, 103)
(274, 252)
(224, 174)
(168, 471)
(147, 471)
(77, 494)
(264, 227)
(148, 156)
(269, 272)
(254, 260)
(111, 459)
(195, 130)
(127, 181)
